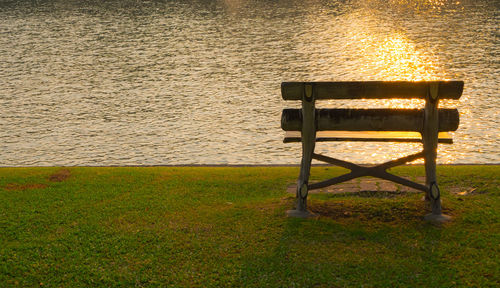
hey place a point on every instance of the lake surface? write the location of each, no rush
(198, 82)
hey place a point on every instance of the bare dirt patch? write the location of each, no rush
(20, 187)
(60, 175)
(410, 212)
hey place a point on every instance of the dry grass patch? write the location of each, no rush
(60, 175)
(20, 187)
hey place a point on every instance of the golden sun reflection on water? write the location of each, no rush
(423, 4)
(396, 58)
(382, 52)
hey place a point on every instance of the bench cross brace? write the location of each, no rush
(378, 171)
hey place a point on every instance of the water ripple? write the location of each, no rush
(198, 82)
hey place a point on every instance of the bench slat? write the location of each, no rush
(372, 89)
(367, 136)
(369, 119)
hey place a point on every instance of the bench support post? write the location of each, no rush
(308, 136)
(430, 141)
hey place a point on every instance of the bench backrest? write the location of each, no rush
(371, 119)
(371, 89)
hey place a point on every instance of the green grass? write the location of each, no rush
(213, 227)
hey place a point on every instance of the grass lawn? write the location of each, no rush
(213, 227)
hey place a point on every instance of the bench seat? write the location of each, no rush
(367, 136)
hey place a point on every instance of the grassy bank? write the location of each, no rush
(211, 227)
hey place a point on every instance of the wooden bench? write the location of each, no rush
(428, 126)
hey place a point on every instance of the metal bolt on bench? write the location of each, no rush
(428, 126)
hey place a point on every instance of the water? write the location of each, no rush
(198, 82)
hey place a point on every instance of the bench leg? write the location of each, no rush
(434, 195)
(430, 141)
(308, 135)
(302, 183)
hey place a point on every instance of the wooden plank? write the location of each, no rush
(371, 89)
(369, 119)
(367, 136)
